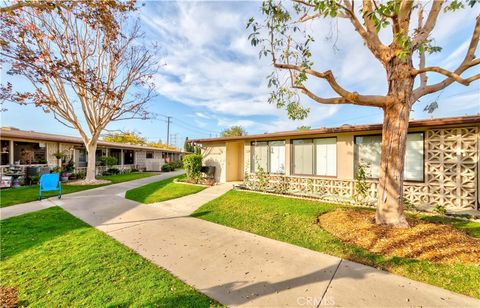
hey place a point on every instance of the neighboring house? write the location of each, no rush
(29, 148)
(441, 164)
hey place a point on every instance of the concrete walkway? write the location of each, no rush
(239, 268)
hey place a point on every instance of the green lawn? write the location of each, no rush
(30, 193)
(71, 264)
(293, 221)
(162, 190)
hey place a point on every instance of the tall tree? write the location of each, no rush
(130, 137)
(236, 130)
(85, 69)
(304, 127)
(284, 37)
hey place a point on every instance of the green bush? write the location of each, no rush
(192, 164)
(168, 167)
(178, 164)
(111, 171)
(108, 161)
(440, 209)
(33, 179)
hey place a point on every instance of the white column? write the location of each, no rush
(11, 157)
(121, 157)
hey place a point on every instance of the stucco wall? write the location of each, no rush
(140, 158)
(215, 155)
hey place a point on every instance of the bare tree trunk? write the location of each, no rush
(390, 190)
(91, 150)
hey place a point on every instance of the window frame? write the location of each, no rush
(252, 167)
(314, 158)
(376, 179)
(149, 152)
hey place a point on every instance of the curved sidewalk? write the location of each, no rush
(239, 268)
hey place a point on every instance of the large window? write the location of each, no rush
(29, 153)
(270, 156)
(368, 153)
(315, 157)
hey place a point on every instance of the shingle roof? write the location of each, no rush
(8, 132)
(345, 129)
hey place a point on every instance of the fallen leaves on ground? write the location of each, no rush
(8, 297)
(423, 240)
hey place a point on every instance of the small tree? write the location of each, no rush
(284, 36)
(83, 67)
(192, 163)
(233, 131)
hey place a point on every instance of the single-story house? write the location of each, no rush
(30, 148)
(441, 164)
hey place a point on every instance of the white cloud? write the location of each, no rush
(210, 63)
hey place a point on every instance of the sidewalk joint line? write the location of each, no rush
(328, 286)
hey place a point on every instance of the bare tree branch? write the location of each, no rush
(468, 61)
(350, 97)
(424, 31)
(421, 53)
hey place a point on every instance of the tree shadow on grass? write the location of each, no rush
(200, 214)
(23, 232)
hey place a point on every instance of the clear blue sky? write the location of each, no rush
(212, 78)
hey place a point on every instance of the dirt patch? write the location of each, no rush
(85, 182)
(423, 240)
(8, 297)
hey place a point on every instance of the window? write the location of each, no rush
(326, 156)
(270, 156)
(82, 156)
(368, 153)
(29, 153)
(149, 155)
(303, 157)
(117, 153)
(5, 147)
(277, 156)
(315, 157)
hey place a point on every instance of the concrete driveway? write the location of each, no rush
(239, 268)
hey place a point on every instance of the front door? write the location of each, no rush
(234, 161)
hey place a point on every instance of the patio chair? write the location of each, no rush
(50, 182)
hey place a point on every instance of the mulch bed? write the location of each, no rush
(423, 240)
(85, 182)
(8, 297)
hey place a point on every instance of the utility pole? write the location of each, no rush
(173, 137)
(169, 120)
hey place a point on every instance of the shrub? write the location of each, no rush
(168, 167)
(33, 179)
(440, 209)
(108, 161)
(193, 166)
(80, 175)
(178, 164)
(57, 170)
(409, 206)
(361, 185)
(111, 171)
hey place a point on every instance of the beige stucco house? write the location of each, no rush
(441, 167)
(30, 148)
